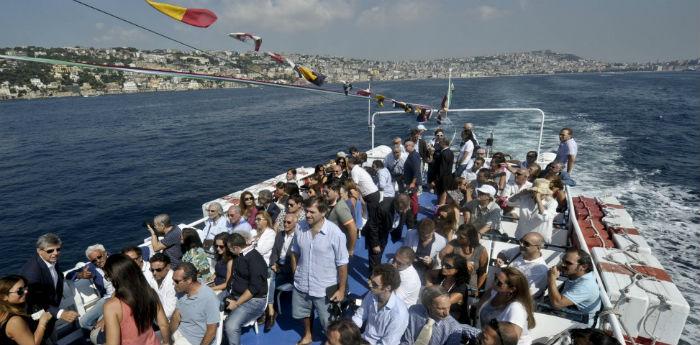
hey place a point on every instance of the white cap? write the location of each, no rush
(421, 128)
(340, 154)
(487, 189)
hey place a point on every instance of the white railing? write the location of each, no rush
(607, 305)
(371, 123)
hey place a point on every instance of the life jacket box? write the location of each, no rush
(594, 233)
(629, 241)
(586, 207)
(649, 308)
(617, 217)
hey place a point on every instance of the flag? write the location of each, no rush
(199, 17)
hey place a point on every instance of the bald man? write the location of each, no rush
(528, 259)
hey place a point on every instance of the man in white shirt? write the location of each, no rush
(409, 290)
(163, 282)
(519, 184)
(528, 259)
(394, 163)
(567, 150)
(136, 254)
(97, 255)
(537, 210)
(214, 225)
(370, 193)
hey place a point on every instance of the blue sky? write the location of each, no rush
(625, 31)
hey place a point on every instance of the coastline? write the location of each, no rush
(233, 85)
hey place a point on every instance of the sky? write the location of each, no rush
(612, 30)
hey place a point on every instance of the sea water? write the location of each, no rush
(92, 169)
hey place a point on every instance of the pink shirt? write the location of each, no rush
(130, 333)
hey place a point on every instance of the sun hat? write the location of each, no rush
(421, 128)
(340, 154)
(541, 186)
(487, 189)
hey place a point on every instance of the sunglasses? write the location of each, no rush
(94, 261)
(157, 269)
(220, 246)
(20, 291)
(494, 324)
(177, 281)
(288, 222)
(448, 266)
(291, 205)
(525, 244)
(247, 198)
(567, 263)
(211, 210)
(50, 251)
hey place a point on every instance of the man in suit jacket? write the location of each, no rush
(46, 281)
(280, 259)
(266, 202)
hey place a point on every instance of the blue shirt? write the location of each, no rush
(196, 312)
(584, 292)
(382, 326)
(445, 332)
(318, 257)
(385, 183)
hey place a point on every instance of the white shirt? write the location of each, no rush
(146, 270)
(166, 293)
(385, 183)
(534, 270)
(214, 227)
(409, 290)
(265, 244)
(52, 270)
(363, 180)
(465, 153)
(285, 247)
(513, 188)
(531, 219)
(108, 284)
(54, 276)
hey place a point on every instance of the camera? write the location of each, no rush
(338, 309)
(148, 222)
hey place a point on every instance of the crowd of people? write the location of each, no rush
(432, 290)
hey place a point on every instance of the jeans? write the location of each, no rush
(242, 315)
(271, 286)
(89, 319)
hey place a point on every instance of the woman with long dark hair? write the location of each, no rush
(509, 300)
(194, 253)
(130, 313)
(248, 208)
(224, 262)
(467, 246)
(14, 322)
(454, 278)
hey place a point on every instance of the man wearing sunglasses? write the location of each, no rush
(579, 296)
(163, 282)
(527, 258)
(45, 281)
(97, 257)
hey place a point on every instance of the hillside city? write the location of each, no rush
(26, 80)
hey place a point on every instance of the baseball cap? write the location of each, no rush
(487, 189)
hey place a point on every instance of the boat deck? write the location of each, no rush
(288, 331)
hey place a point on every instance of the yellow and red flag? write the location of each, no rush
(200, 17)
